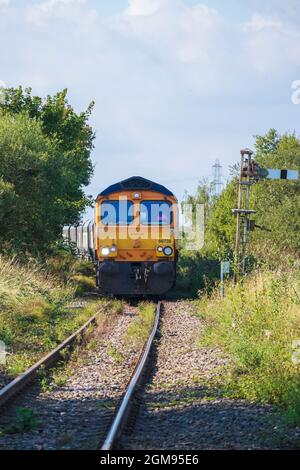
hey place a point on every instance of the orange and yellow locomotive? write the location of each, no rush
(135, 237)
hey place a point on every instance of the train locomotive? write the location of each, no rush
(135, 238)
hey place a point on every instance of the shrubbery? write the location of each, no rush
(194, 272)
(34, 316)
(256, 325)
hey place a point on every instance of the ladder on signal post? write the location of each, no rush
(250, 173)
(243, 213)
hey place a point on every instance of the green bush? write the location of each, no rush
(195, 272)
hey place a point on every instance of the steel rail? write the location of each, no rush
(123, 410)
(17, 385)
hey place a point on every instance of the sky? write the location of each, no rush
(177, 84)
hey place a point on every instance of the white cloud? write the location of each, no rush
(259, 23)
(270, 45)
(176, 85)
(200, 26)
(145, 7)
(288, 10)
(39, 13)
(4, 2)
(172, 29)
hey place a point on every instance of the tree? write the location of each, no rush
(33, 185)
(45, 163)
(71, 133)
(268, 143)
(277, 204)
(221, 225)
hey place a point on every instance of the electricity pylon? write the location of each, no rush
(217, 178)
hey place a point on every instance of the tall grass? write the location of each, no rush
(34, 316)
(258, 325)
(21, 283)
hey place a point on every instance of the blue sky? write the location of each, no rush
(177, 83)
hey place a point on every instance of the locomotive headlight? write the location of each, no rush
(160, 249)
(168, 251)
(105, 251)
(113, 249)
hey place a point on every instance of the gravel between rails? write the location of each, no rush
(178, 410)
(76, 415)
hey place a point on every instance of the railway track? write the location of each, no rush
(16, 386)
(179, 411)
(123, 413)
(90, 402)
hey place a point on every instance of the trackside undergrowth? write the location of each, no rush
(35, 311)
(258, 326)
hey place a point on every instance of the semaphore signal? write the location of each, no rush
(280, 174)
